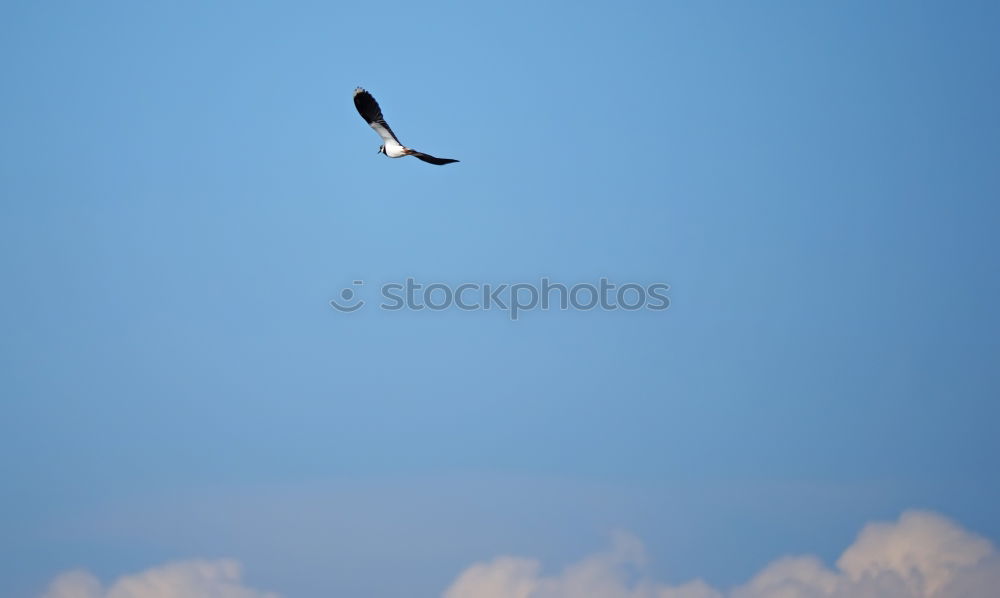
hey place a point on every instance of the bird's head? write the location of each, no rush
(381, 149)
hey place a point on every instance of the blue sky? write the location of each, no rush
(185, 187)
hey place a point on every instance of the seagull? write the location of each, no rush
(369, 110)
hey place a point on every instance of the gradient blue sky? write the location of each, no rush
(185, 187)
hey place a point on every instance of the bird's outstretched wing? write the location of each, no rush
(431, 159)
(369, 110)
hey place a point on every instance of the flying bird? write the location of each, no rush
(369, 110)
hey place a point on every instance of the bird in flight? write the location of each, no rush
(369, 110)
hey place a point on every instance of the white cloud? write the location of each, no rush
(923, 555)
(188, 579)
(616, 573)
(926, 551)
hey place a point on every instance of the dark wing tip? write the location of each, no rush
(367, 107)
(432, 160)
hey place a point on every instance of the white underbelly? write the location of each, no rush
(394, 150)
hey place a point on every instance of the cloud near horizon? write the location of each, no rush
(185, 579)
(922, 555)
